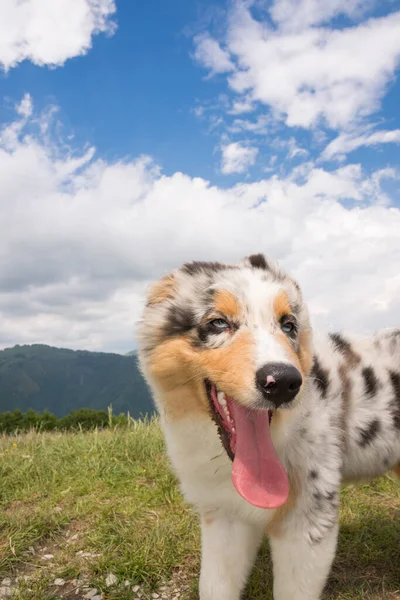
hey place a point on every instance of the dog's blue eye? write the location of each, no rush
(219, 324)
(288, 327)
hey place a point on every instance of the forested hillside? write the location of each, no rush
(59, 380)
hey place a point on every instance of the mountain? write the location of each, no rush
(60, 380)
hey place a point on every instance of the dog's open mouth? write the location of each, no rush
(257, 473)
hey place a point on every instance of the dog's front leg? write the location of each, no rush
(229, 549)
(302, 554)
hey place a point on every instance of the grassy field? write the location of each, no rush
(102, 510)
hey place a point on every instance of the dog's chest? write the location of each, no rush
(204, 470)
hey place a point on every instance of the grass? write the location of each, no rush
(106, 502)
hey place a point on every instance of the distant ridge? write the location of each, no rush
(61, 380)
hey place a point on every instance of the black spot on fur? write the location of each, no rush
(180, 320)
(202, 333)
(196, 267)
(395, 379)
(395, 404)
(322, 514)
(318, 497)
(313, 474)
(340, 343)
(321, 377)
(258, 261)
(368, 434)
(371, 382)
(329, 496)
(344, 347)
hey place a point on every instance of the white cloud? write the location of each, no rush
(48, 32)
(347, 142)
(24, 108)
(80, 237)
(209, 53)
(290, 146)
(236, 158)
(260, 126)
(244, 105)
(306, 71)
(298, 14)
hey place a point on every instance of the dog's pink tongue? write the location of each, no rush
(257, 473)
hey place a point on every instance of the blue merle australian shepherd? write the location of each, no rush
(263, 420)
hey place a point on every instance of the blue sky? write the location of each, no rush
(136, 92)
(137, 135)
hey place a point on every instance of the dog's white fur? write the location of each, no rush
(345, 427)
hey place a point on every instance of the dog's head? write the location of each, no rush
(227, 342)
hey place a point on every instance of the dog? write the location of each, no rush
(263, 420)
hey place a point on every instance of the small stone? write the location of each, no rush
(155, 595)
(31, 550)
(5, 592)
(99, 597)
(136, 588)
(111, 580)
(58, 508)
(89, 595)
(59, 581)
(6, 582)
(48, 556)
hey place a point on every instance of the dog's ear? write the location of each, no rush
(257, 261)
(161, 290)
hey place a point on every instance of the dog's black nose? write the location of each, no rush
(278, 382)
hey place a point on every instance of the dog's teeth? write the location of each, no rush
(221, 398)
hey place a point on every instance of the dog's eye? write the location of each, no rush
(288, 327)
(219, 324)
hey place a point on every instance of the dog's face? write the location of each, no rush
(226, 341)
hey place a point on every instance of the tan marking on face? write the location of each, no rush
(181, 369)
(161, 290)
(281, 305)
(189, 400)
(276, 527)
(173, 366)
(305, 351)
(226, 303)
(231, 368)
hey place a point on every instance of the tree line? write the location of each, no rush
(80, 419)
